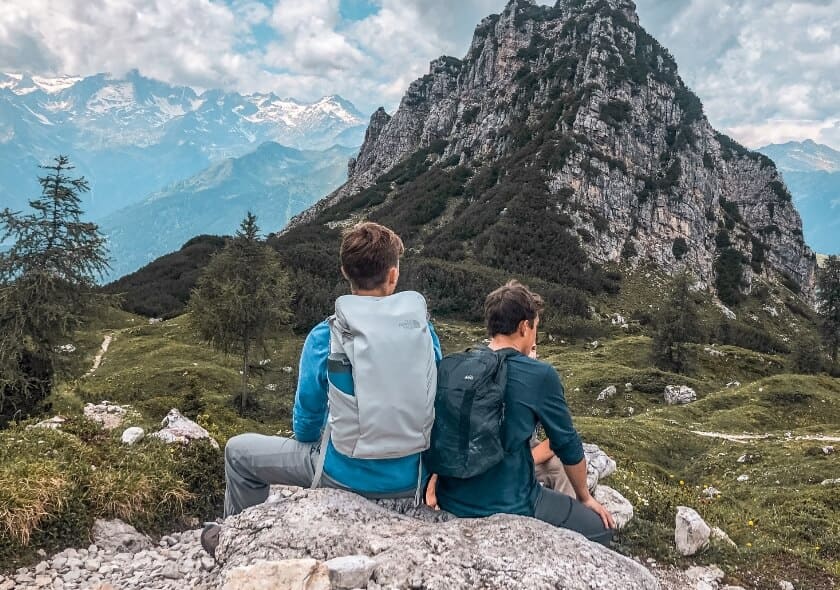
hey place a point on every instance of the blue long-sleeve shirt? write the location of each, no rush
(371, 476)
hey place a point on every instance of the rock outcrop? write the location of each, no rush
(179, 428)
(585, 98)
(691, 533)
(411, 553)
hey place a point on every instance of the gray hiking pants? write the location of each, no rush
(563, 511)
(254, 462)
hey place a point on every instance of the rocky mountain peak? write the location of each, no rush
(578, 102)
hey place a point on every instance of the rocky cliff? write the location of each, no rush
(583, 114)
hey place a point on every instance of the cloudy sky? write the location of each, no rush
(766, 70)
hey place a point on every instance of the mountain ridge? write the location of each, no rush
(274, 182)
(617, 148)
(131, 136)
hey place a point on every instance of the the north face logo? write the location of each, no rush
(410, 324)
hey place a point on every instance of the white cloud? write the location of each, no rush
(764, 68)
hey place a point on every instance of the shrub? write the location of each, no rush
(615, 112)
(680, 248)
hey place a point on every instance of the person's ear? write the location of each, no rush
(522, 328)
(393, 276)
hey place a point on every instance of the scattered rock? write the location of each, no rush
(774, 313)
(607, 392)
(179, 428)
(727, 313)
(828, 450)
(743, 477)
(66, 348)
(155, 320)
(714, 352)
(711, 492)
(749, 458)
(109, 415)
(409, 552)
(286, 574)
(595, 344)
(618, 320)
(691, 533)
(350, 571)
(616, 504)
(598, 465)
(785, 585)
(733, 384)
(719, 535)
(704, 577)
(53, 423)
(679, 394)
(831, 482)
(132, 435)
(628, 387)
(117, 536)
(287, 370)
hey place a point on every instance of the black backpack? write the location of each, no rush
(466, 437)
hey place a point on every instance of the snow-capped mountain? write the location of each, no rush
(812, 172)
(133, 135)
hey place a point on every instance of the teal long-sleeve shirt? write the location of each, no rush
(534, 393)
(370, 476)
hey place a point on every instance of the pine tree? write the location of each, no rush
(242, 295)
(828, 298)
(676, 324)
(47, 281)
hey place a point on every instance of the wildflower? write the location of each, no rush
(750, 523)
(749, 544)
(682, 483)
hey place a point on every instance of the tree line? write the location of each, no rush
(48, 287)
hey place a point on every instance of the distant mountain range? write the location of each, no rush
(132, 136)
(274, 182)
(812, 172)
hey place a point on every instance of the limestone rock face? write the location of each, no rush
(679, 394)
(179, 428)
(628, 153)
(409, 553)
(598, 465)
(691, 533)
(616, 504)
(286, 574)
(115, 535)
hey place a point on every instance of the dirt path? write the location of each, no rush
(744, 438)
(97, 360)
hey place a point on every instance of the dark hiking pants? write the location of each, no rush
(562, 511)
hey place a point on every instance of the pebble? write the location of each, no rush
(92, 565)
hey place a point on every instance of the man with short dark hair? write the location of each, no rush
(370, 255)
(534, 393)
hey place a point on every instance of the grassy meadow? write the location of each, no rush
(784, 523)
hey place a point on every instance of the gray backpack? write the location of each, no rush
(382, 378)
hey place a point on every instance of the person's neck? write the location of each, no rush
(378, 292)
(500, 341)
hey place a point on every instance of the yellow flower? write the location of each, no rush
(750, 523)
(749, 544)
(671, 476)
(682, 483)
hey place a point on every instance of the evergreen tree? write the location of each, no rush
(676, 324)
(828, 300)
(240, 297)
(47, 281)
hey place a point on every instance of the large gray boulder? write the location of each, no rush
(501, 551)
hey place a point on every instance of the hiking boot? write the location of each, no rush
(210, 537)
